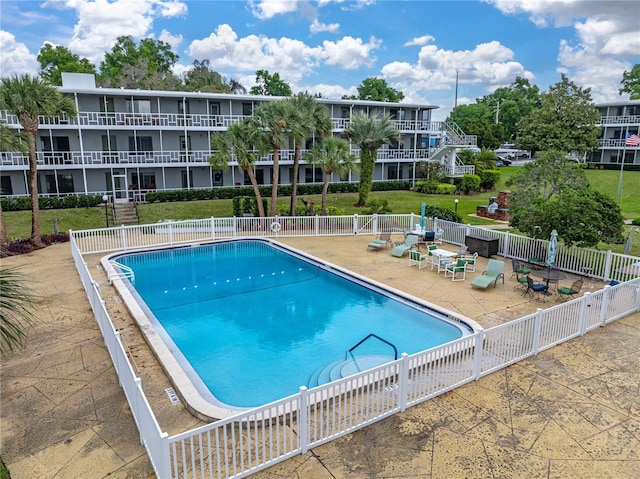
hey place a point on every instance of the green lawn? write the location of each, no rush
(18, 223)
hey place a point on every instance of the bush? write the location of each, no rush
(442, 214)
(427, 187)
(489, 179)
(469, 184)
(51, 202)
(377, 206)
(24, 246)
(445, 189)
(636, 222)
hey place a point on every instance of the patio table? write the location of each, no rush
(549, 275)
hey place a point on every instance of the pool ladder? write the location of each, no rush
(372, 335)
(125, 272)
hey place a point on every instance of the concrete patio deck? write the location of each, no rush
(572, 411)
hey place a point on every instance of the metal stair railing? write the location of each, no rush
(372, 335)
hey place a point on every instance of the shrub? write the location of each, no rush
(442, 213)
(377, 206)
(445, 189)
(469, 184)
(427, 187)
(488, 179)
(636, 222)
(51, 202)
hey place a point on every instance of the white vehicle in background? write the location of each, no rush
(510, 152)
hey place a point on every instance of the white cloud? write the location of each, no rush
(100, 22)
(174, 40)
(16, 58)
(350, 53)
(292, 59)
(607, 38)
(317, 27)
(419, 41)
(266, 9)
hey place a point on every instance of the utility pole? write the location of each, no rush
(497, 111)
(455, 103)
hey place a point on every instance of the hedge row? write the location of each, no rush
(265, 191)
(51, 202)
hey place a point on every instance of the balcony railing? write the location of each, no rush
(619, 120)
(121, 120)
(614, 143)
(177, 157)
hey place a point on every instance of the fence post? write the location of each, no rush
(467, 231)
(355, 224)
(505, 253)
(164, 461)
(171, 232)
(536, 331)
(477, 354)
(303, 423)
(605, 303)
(637, 295)
(235, 227)
(123, 237)
(213, 228)
(607, 266)
(586, 300)
(317, 225)
(403, 377)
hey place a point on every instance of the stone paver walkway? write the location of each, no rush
(571, 412)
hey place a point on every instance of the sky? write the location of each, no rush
(418, 47)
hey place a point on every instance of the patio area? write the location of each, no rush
(572, 411)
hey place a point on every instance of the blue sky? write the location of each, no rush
(330, 46)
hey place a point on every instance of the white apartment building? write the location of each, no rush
(617, 121)
(127, 142)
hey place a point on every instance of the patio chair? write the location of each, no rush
(410, 242)
(383, 241)
(430, 249)
(462, 252)
(440, 262)
(437, 237)
(470, 263)
(416, 257)
(456, 270)
(534, 289)
(565, 293)
(492, 274)
(518, 269)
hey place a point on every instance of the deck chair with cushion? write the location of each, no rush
(492, 274)
(383, 241)
(457, 270)
(470, 263)
(518, 269)
(410, 242)
(416, 257)
(534, 289)
(567, 293)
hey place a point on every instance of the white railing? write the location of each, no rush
(261, 437)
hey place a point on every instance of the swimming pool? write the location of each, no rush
(250, 321)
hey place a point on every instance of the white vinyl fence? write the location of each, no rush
(256, 439)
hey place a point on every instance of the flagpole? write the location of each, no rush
(624, 153)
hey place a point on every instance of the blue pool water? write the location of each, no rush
(255, 322)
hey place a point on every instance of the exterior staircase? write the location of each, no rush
(125, 214)
(453, 139)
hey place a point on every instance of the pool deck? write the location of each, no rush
(572, 411)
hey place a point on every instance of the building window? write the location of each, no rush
(187, 184)
(146, 181)
(65, 183)
(344, 112)
(394, 173)
(109, 143)
(217, 178)
(247, 109)
(138, 106)
(107, 104)
(259, 175)
(183, 107)
(140, 143)
(185, 144)
(5, 185)
(214, 108)
(312, 175)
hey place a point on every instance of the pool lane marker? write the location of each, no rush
(172, 396)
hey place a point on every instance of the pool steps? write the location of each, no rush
(345, 367)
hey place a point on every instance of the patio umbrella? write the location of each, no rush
(553, 248)
(423, 211)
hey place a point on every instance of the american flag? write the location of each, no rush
(632, 139)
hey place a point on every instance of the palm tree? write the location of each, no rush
(239, 140)
(310, 119)
(274, 121)
(28, 97)
(333, 155)
(10, 140)
(369, 134)
(17, 304)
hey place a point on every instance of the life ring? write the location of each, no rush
(275, 227)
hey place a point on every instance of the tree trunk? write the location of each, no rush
(36, 240)
(294, 180)
(367, 164)
(276, 179)
(325, 188)
(4, 240)
(256, 190)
